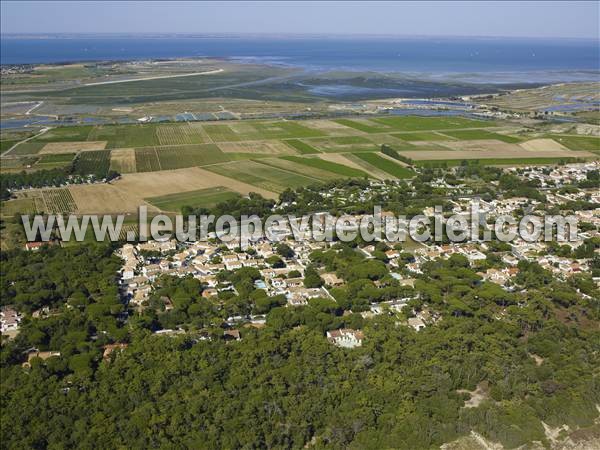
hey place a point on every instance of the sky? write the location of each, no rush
(547, 19)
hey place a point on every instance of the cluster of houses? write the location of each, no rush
(204, 260)
(558, 176)
(9, 319)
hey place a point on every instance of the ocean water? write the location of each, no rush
(503, 60)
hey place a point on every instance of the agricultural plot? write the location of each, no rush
(417, 123)
(302, 147)
(467, 135)
(67, 134)
(387, 165)
(125, 136)
(337, 145)
(329, 166)
(18, 206)
(261, 175)
(282, 130)
(221, 133)
(27, 148)
(178, 134)
(5, 145)
(97, 163)
(122, 160)
(583, 143)
(363, 125)
(299, 168)
(58, 201)
(16, 164)
(202, 198)
(146, 160)
(257, 147)
(179, 157)
(427, 136)
(72, 147)
(54, 161)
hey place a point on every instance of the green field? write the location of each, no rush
(178, 134)
(468, 135)
(366, 126)
(54, 161)
(146, 160)
(96, 162)
(18, 206)
(125, 136)
(27, 148)
(202, 198)
(586, 143)
(262, 175)
(302, 147)
(386, 165)
(422, 136)
(67, 134)
(179, 157)
(418, 123)
(329, 166)
(5, 145)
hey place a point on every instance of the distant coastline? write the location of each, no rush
(473, 60)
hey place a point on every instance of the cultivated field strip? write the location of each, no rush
(178, 134)
(58, 201)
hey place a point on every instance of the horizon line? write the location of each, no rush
(286, 34)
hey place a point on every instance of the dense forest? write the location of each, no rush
(534, 355)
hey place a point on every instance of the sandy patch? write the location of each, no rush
(122, 160)
(263, 147)
(72, 147)
(537, 145)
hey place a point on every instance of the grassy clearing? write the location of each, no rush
(202, 198)
(262, 175)
(183, 156)
(467, 135)
(586, 143)
(329, 166)
(386, 165)
(302, 147)
(417, 123)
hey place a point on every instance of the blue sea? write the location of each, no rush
(499, 60)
